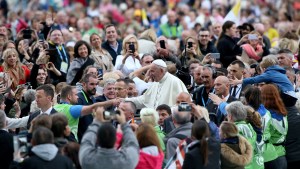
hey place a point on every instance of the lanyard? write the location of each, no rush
(60, 55)
(87, 101)
(208, 99)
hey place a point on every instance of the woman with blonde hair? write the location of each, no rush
(236, 151)
(18, 72)
(150, 116)
(151, 154)
(147, 41)
(191, 51)
(129, 59)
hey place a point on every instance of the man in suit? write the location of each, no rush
(236, 70)
(221, 90)
(44, 101)
(6, 143)
(112, 45)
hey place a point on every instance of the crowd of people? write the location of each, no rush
(149, 84)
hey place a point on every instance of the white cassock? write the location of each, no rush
(163, 92)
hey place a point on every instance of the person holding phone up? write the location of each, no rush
(129, 61)
(191, 51)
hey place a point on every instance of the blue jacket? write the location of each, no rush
(273, 74)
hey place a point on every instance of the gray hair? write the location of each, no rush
(2, 119)
(109, 81)
(29, 96)
(149, 115)
(180, 117)
(237, 111)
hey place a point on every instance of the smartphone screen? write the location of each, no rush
(41, 37)
(132, 48)
(252, 37)
(162, 44)
(215, 55)
(100, 72)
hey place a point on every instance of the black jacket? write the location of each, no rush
(228, 50)
(6, 149)
(111, 51)
(292, 144)
(35, 114)
(210, 48)
(194, 158)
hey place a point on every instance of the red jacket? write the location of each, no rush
(148, 161)
(26, 71)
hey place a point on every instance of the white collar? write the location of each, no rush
(47, 111)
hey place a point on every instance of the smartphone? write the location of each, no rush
(109, 115)
(190, 44)
(51, 52)
(184, 106)
(252, 37)
(27, 33)
(41, 37)
(162, 44)
(100, 72)
(132, 48)
(215, 55)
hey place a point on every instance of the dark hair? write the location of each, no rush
(253, 97)
(47, 89)
(6, 43)
(71, 150)
(164, 107)
(248, 25)
(287, 51)
(59, 124)
(147, 136)
(146, 54)
(123, 80)
(86, 77)
(240, 63)
(106, 135)
(200, 131)
(110, 25)
(128, 81)
(65, 91)
(42, 135)
(78, 44)
(132, 106)
(226, 25)
(42, 120)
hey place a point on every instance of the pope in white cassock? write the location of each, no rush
(164, 89)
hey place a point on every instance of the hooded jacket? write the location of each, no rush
(150, 158)
(236, 155)
(46, 156)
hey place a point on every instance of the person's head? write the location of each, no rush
(132, 90)
(253, 97)
(267, 62)
(253, 117)
(217, 28)
(89, 84)
(197, 75)
(193, 64)
(71, 150)
(95, 40)
(29, 96)
(44, 96)
(109, 88)
(222, 86)
(60, 127)
(149, 34)
(149, 116)
(285, 57)
(128, 108)
(10, 57)
(164, 111)
(204, 37)
(3, 121)
(121, 88)
(111, 33)
(171, 16)
(200, 131)
(236, 69)
(207, 76)
(106, 136)
(146, 59)
(42, 120)
(82, 49)
(56, 37)
(194, 42)
(3, 30)
(290, 73)
(217, 64)
(183, 97)
(2, 102)
(180, 117)
(157, 70)
(165, 41)
(229, 29)
(147, 136)
(129, 40)
(228, 130)
(91, 70)
(236, 111)
(69, 94)
(41, 76)
(9, 44)
(271, 99)
(42, 135)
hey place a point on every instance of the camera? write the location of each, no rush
(190, 44)
(183, 106)
(109, 115)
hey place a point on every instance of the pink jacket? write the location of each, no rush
(148, 161)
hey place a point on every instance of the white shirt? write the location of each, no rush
(131, 64)
(237, 92)
(47, 111)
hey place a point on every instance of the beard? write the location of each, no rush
(92, 92)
